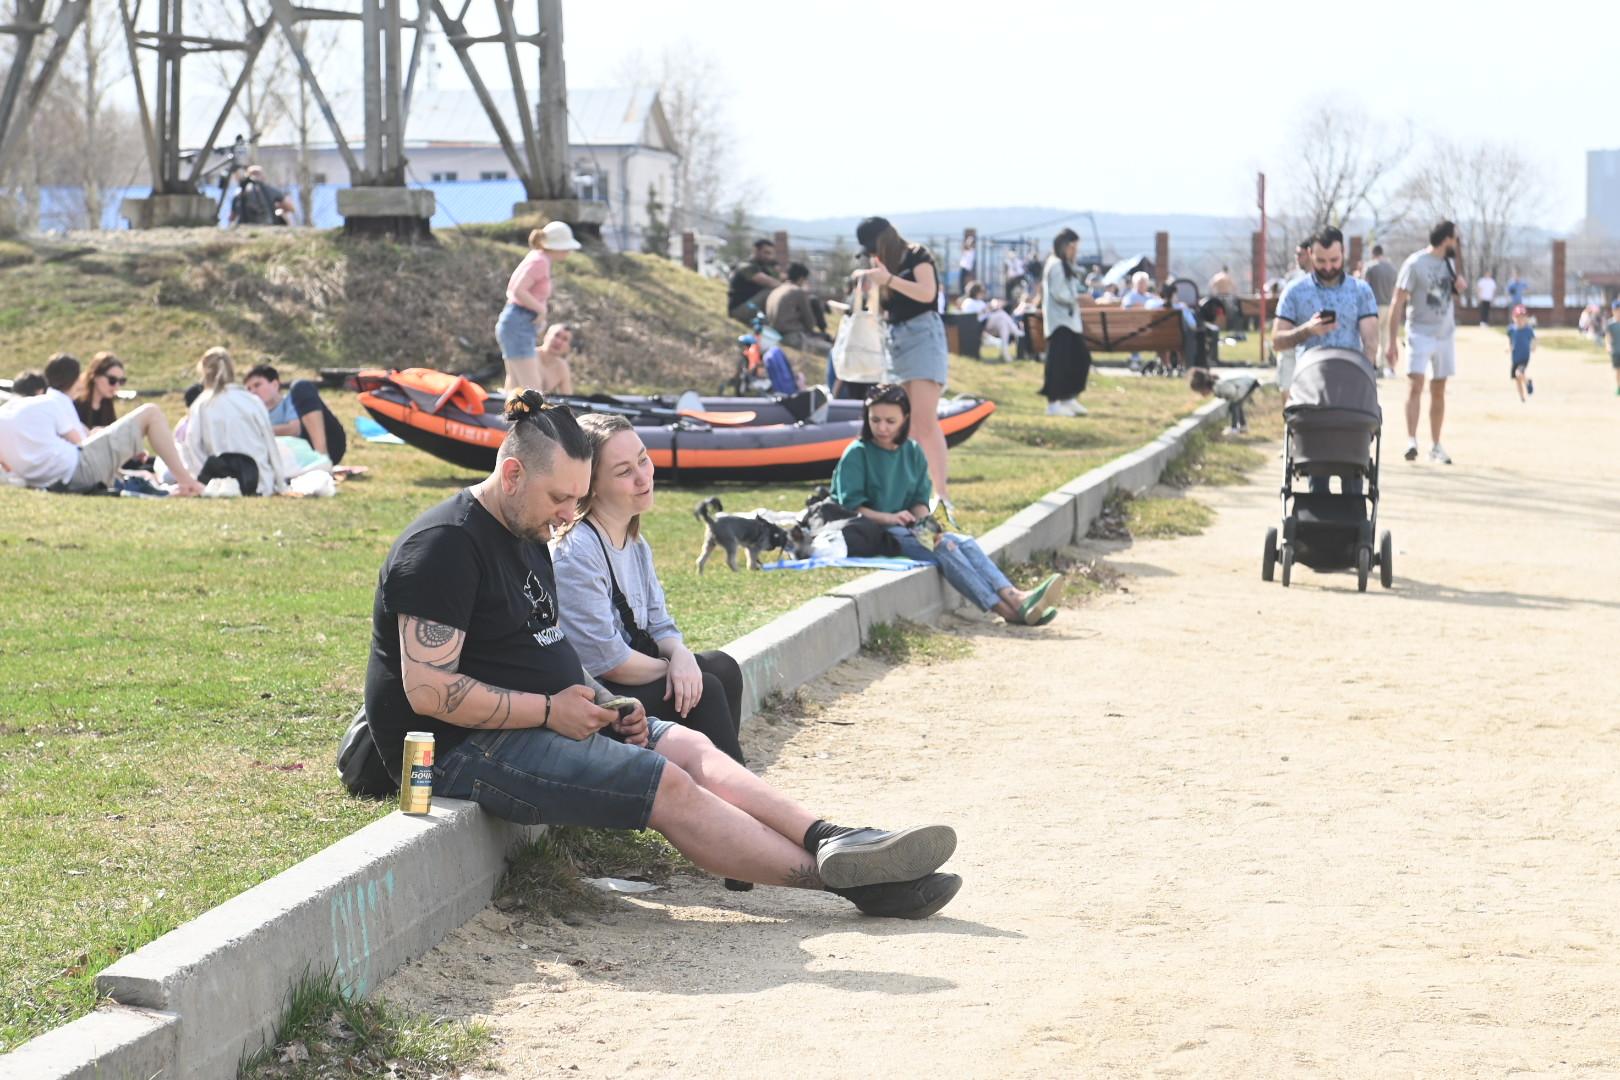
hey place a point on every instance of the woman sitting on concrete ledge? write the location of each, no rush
(884, 476)
(615, 613)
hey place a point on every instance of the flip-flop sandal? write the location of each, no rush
(1052, 586)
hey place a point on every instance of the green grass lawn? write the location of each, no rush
(178, 672)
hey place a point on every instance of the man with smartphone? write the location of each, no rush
(1328, 309)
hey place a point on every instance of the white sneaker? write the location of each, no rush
(1439, 455)
(1231, 432)
(1058, 408)
(1077, 408)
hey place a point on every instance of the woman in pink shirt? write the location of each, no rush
(528, 292)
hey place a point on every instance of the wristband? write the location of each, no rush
(545, 721)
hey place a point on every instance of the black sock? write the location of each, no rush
(822, 830)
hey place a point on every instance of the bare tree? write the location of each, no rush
(1487, 188)
(1345, 175)
(690, 89)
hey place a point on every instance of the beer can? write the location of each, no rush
(416, 775)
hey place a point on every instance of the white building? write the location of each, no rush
(619, 143)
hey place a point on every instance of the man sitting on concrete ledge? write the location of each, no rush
(466, 645)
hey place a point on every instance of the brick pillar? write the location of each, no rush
(1257, 264)
(1161, 256)
(783, 255)
(1354, 254)
(1560, 316)
(689, 249)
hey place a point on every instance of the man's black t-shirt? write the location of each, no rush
(743, 286)
(458, 565)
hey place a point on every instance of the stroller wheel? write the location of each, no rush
(1268, 562)
(1287, 564)
(1386, 560)
(1363, 567)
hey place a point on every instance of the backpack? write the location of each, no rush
(360, 764)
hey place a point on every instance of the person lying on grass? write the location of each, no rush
(466, 644)
(883, 476)
(300, 412)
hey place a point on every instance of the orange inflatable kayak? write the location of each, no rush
(691, 440)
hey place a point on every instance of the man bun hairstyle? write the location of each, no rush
(61, 372)
(1442, 232)
(540, 429)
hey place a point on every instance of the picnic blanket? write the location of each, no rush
(855, 562)
(371, 431)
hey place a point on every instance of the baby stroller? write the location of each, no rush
(1332, 429)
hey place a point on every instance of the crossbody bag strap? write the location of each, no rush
(626, 616)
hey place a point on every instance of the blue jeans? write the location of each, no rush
(962, 561)
(533, 776)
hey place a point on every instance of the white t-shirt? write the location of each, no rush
(33, 438)
(971, 305)
(1485, 289)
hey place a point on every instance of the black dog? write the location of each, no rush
(755, 535)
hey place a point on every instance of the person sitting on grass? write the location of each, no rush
(883, 476)
(97, 389)
(226, 419)
(615, 612)
(42, 441)
(1235, 390)
(299, 412)
(29, 383)
(467, 644)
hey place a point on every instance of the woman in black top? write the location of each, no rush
(917, 354)
(98, 388)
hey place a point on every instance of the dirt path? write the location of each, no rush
(1208, 826)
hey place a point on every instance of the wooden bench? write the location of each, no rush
(1108, 329)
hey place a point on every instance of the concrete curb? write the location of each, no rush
(199, 999)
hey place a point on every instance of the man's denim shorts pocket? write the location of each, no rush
(504, 805)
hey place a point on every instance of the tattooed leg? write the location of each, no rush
(723, 839)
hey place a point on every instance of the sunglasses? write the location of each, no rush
(116, 380)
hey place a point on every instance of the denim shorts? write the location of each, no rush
(533, 776)
(517, 332)
(917, 349)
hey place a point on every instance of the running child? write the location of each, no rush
(1521, 343)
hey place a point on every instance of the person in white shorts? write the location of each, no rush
(1426, 294)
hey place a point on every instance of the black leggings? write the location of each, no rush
(718, 713)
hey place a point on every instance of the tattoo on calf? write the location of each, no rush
(803, 877)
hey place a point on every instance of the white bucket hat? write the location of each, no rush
(557, 236)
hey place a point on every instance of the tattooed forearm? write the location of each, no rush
(457, 692)
(803, 876)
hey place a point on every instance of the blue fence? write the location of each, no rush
(458, 203)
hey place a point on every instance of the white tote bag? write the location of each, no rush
(860, 354)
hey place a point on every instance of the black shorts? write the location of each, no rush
(1516, 366)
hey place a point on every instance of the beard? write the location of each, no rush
(1334, 277)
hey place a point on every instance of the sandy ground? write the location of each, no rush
(1209, 827)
